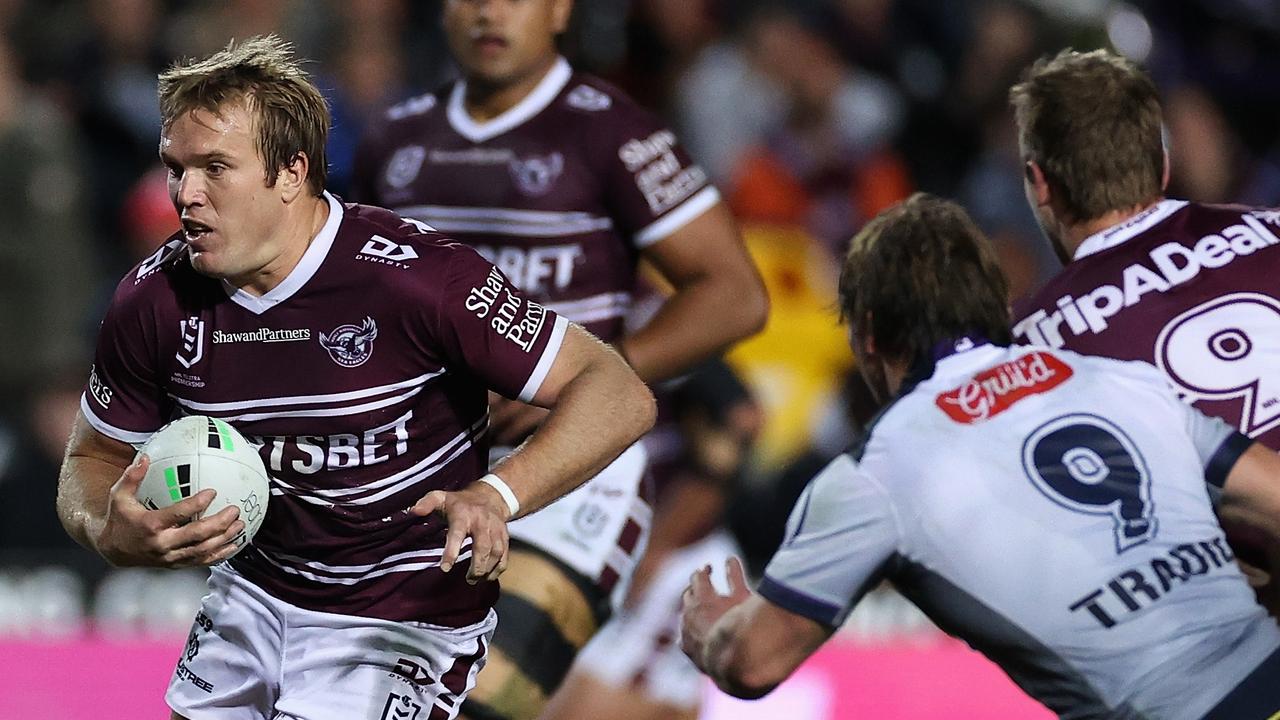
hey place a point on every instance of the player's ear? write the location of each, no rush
(292, 178)
(1037, 182)
(560, 12)
(1164, 177)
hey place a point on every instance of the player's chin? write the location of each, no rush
(208, 263)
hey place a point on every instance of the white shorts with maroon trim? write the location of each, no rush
(640, 646)
(599, 529)
(251, 656)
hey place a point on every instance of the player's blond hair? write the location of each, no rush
(289, 112)
(1092, 122)
(922, 273)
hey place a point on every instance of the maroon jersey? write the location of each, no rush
(560, 192)
(1190, 288)
(363, 377)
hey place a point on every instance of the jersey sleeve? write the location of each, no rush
(840, 536)
(1218, 444)
(488, 327)
(123, 398)
(653, 186)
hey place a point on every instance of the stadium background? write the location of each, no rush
(811, 114)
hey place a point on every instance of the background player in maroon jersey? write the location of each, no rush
(1186, 286)
(345, 605)
(564, 183)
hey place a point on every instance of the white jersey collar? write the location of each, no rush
(532, 104)
(1126, 229)
(316, 252)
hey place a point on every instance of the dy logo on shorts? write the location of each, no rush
(350, 345)
(400, 707)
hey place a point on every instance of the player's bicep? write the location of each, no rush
(87, 442)
(840, 536)
(709, 244)
(486, 325)
(1251, 490)
(579, 351)
(1218, 444)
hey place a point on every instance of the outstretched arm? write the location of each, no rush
(743, 642)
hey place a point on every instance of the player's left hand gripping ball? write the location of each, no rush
(197, 453)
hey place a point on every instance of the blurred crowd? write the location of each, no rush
(812, 115)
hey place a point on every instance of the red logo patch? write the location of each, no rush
(995, 390)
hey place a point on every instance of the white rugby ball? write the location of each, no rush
(197, 452)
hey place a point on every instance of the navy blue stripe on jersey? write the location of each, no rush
(1224, 458)
(1257, 696)
(819, 611)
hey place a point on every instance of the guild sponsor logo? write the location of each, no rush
(262, 335)
(404, 165)
(400, 707)
(412, 106)
(1168, 266)
(350, 345)
(381, 250)
(98, 389)
(995, 390)
(585, 97)
(535, 175)
(191, 348)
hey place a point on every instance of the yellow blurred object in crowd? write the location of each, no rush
(796, 364)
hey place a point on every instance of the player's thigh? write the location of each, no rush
(230, 662)
(546, 614)
(583, 697)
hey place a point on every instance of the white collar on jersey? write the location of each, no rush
(316, 252)
(548, 87)
(1122, 231)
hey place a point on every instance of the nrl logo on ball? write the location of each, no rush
(350, 345)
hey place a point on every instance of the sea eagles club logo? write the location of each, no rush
(351, 345)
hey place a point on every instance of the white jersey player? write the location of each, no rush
(1053, 510)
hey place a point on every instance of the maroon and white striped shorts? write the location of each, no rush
(600, 529)
(251, 656)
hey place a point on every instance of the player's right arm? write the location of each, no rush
(122, 406)
(841, 533)
(97, 504)
(599, 407)
(1251, 492)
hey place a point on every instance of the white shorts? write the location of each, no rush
(599, 529)
(640, 647)
(251, 656)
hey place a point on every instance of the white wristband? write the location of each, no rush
(504, 490)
